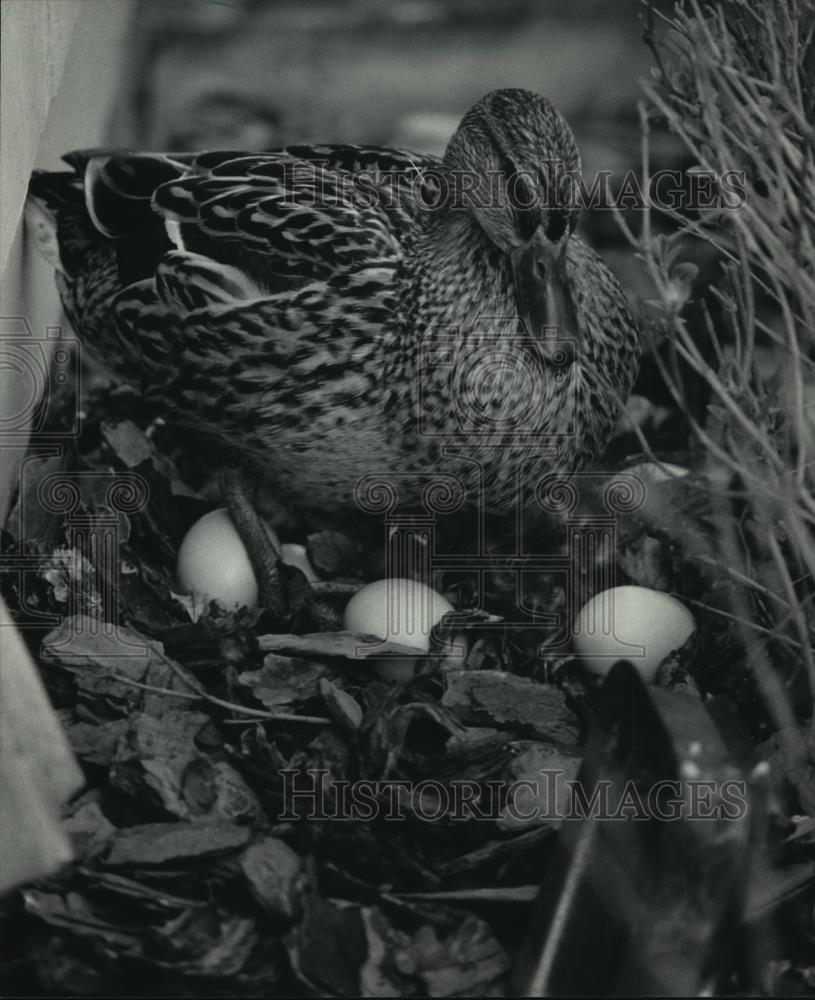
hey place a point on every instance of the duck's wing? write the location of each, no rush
(286, 216)
(404, 182)
(231, 265)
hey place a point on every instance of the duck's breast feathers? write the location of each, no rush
(609, 346)
(610, 330)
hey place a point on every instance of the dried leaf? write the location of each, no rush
(379, 975)
(644, 562)
(273, 872)
(133, 448)
(157, 761)
(509, 701)
(284, 680)
(76, 914)
(465, 963)
(128, 441)
(539, 795)
(202, 942)
(329, 947)
(345, 644)
(96, 743)
(791, 757)
(88, 827)
(151, 844)
(332, 552)
(74, 580)
(30, 520)
(343, 708)
(97, 653)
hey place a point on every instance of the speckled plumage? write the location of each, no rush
(333, 313)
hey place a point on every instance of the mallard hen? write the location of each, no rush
(339, 312)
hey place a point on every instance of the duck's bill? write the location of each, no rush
(544, 303)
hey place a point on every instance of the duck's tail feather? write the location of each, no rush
(56, 218)
(107, 197)
(97, 228)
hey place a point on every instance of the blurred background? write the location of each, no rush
(260, 73)
(255, 74)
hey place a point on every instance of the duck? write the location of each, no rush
(337, 316)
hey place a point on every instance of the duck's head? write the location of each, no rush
(515, 164)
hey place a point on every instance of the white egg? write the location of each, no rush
(630, 623)
(403, 611)
(396, 610)
(213, 563)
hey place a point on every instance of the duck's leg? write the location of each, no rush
(264, 552)
(286, 594)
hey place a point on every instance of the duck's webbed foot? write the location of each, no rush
(285, 593)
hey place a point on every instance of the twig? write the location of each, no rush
(203, 696)
(746, 622)
(200, 694)
(795, 609)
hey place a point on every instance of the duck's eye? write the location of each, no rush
(528, 221)
(556, 224)
(522, 199)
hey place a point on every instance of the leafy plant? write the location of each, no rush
(735, 81)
